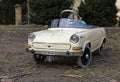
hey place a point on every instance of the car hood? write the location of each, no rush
(56, 35)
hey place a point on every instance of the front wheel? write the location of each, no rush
(85, 59)
(38, 58)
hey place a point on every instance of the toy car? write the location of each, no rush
(67, 37)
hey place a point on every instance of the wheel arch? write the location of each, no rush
(104, 40)
(87, 44)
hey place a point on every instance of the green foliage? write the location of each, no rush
(7, 11)
(6, 14)
(99, 12)
(43, 11)
(119, 22)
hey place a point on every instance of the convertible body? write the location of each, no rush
(66, 37)
(56, 41)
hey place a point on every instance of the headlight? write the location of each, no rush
(31, 37)
(74, 38)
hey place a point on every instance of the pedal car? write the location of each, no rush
(67, 37)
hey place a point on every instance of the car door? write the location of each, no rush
(94, 37)
(100, 35)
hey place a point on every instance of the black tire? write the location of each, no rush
(38, 58)
(85, 59)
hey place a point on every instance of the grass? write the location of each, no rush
(100, 71)
(7, 66)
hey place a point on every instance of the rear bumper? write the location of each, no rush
(55, 53)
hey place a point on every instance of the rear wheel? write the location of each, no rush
(85, 59)
(100, 50)
(38, 58)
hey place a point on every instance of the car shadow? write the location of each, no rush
(60, 62)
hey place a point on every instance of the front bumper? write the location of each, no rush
(55, 53)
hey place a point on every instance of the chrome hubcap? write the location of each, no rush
(87, 56)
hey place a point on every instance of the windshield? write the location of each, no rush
(69, 23)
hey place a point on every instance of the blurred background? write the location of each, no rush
(41, 12)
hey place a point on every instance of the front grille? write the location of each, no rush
(51, 46)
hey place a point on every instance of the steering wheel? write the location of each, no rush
(74, 15)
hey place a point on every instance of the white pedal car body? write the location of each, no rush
(67, 37)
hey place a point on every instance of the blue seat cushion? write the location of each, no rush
(70, 23)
